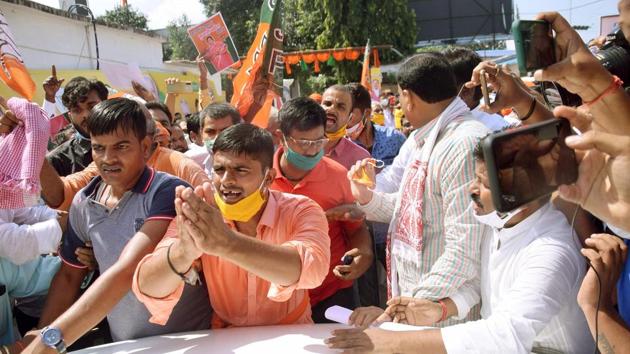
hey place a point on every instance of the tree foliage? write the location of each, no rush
(180, 46)
(323, 24)
(125, 16)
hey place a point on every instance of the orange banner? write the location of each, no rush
(12, 69)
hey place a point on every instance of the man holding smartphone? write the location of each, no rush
(531, 272)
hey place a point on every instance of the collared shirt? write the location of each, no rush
(530, 277)
(451, 235)
(241, 298)
(72, 156)
(201, 156)
(389, 179)
(347, 153)
(110, 229)
(327, 184)
(29, 279)
(26, 233)
(163, 160)
(387, 143)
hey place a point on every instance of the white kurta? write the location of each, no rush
(530, 277)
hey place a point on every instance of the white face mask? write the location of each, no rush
(495, 219)
(619, 232)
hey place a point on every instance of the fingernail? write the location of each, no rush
(573, 139)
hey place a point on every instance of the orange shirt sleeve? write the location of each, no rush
(73, 183)
(190, 172)
(309, 236)
(160, 309)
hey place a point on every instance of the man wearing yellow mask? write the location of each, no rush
(260, 250)
(337, 102)
(302, 169)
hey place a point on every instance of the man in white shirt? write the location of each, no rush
(214, 119)
(531, 271)
(26, 233)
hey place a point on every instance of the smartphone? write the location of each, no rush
(484, 88)
(180, 87)
(535, 46)
(527, 163)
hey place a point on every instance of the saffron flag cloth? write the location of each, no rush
(258, 84)
(12, 69)
(365, 73)
(22, 152)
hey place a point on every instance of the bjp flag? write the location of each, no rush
(258, 84)
(12, 69)
(365, 73)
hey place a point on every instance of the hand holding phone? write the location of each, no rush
(484, 88)
(535, 45)
(528, 163)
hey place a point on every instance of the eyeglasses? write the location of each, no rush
(308, 144)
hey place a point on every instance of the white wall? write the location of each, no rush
(46, 39)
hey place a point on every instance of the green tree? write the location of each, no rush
(179, 45)
(125, 16)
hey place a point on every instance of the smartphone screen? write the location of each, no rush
(529, 163)
(534, 45)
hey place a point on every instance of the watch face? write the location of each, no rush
(51, 336)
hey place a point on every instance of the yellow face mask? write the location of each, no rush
(244, 209)
(338, 134)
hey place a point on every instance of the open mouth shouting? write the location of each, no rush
(231, 196)
(331, 121)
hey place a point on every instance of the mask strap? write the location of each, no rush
(377, 163)
(460, 90)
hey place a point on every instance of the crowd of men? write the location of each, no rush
(150, 224)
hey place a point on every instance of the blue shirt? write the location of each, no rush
(387, 143)
(623, 290)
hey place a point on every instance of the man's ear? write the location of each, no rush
(278, 134)
(147, 146)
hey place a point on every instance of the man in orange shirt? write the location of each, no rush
(260, 250)
(302, 169)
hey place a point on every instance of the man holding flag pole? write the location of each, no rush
(257, 86)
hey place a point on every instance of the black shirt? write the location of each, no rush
(72, 156)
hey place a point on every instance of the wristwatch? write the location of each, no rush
(53, 338)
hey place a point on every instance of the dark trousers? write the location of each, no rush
(344, 298)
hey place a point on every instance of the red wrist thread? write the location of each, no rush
(614, 85)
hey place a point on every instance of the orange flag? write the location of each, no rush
(259, 82)
(12, 69)
(365, 73)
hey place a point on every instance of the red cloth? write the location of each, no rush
(22, 153)
(327, 184)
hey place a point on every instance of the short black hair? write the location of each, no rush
(360, 96)
(301, 113)
(218, 111)
(247, 139)
(463, 61)
(342, 88)
(192, 123)
(77, 90)
(110, 115)
(429, 76)
(478, 150)
(160, 107)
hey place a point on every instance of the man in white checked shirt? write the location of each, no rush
(433, 236)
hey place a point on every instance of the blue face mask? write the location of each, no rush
(80, 136)
(304, 163)
(209, 143)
